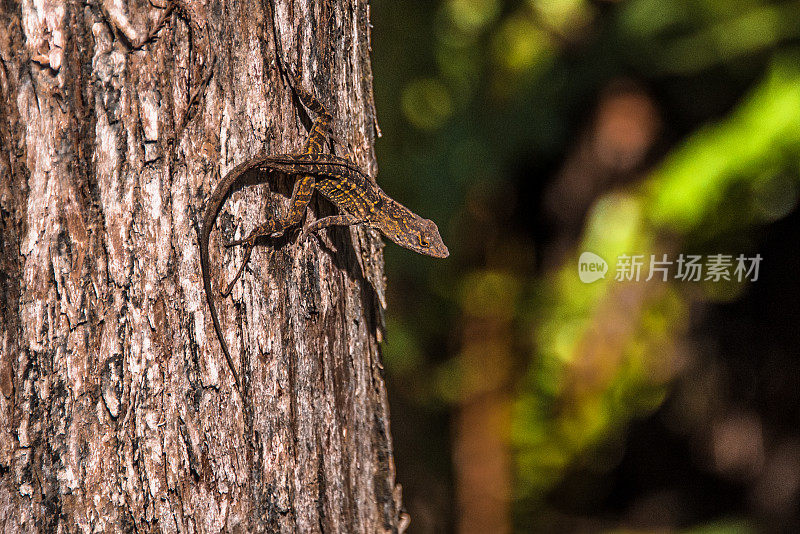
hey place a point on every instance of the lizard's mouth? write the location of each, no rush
(440, 252)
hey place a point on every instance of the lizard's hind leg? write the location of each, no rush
(301, 196)
(270, 228)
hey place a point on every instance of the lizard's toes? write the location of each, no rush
(249, 241)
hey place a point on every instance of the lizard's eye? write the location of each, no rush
(423, 242)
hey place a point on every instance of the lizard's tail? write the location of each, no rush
(208, 222)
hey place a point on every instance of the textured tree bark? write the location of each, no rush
(117, 409)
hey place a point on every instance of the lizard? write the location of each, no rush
(358, 198)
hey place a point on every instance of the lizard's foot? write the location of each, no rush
(324, 243)
(249, 241)
(247, 252)
(265, 230)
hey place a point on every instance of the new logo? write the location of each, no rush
(591, 267)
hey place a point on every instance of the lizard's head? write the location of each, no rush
(412, 231)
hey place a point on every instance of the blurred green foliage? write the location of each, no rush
(479, 102)
(689, 194)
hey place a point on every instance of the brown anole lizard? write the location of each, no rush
(357, 197)
(359, 200)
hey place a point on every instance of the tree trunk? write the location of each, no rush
(117, 409)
